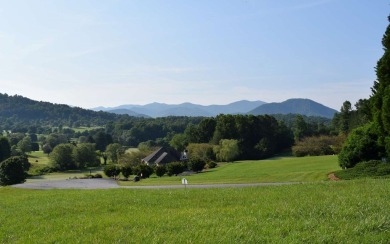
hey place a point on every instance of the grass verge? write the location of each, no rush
(322, 212)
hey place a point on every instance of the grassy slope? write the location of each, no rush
(38, 158)
(322, 212)
(282, 169)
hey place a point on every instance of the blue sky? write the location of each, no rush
(107, 53)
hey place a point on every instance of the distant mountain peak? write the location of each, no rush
(156, 109)
(302, 106)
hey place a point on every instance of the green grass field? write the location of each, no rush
(39, 158)
(278, 169)
(320, 212)
(281, 169)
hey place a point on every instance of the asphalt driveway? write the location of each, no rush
(110, 184)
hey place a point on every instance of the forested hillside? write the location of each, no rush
(17, 109)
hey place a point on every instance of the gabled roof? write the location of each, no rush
(162, 156)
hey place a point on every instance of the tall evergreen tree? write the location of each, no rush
(380, 99)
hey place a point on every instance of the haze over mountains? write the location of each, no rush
(292, 106)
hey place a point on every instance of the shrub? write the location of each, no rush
(160, 170)
(197, 164)
(318, 145)
(143, 170)
(97, 176)
(112, 170)
(126, 171)
(211, 165)
(372, 168)
(12, 171)
(361, 145)
(175, 168)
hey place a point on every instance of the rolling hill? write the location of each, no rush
(21, 109)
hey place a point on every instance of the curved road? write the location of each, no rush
(109, 184)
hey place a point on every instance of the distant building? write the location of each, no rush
(163, 156)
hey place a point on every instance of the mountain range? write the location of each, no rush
(291, 106)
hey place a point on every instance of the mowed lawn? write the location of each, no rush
(38, 158)
(280, 169)
(317, 212)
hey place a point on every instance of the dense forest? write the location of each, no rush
(17, 111)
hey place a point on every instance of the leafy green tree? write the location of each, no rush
(25, 145)
(147, 146)
(179, 142)
(206, 130)
(345, 117)
(132, 158)
(15, 138)
(12, 170)
(300, 128)
(62, 157)
(55, 139)
(5, 148)
(46, 148)
(227, 150)
(201, 150)
(102, 140)
(264, 147)
(84, 155)
(114, 151)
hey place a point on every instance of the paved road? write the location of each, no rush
(71, 184)
(109, 183)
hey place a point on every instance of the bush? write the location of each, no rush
(372, 168)
(112, 170)
(98, 176)
(12, 171)
(175, 168)
(211, 165)
(197, 164)
(160, 170)
(361, 145)
(318, 145)
(143, 170)
(126, 171)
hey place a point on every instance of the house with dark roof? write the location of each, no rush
(163, 156)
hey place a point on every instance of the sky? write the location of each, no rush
(108, 53)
